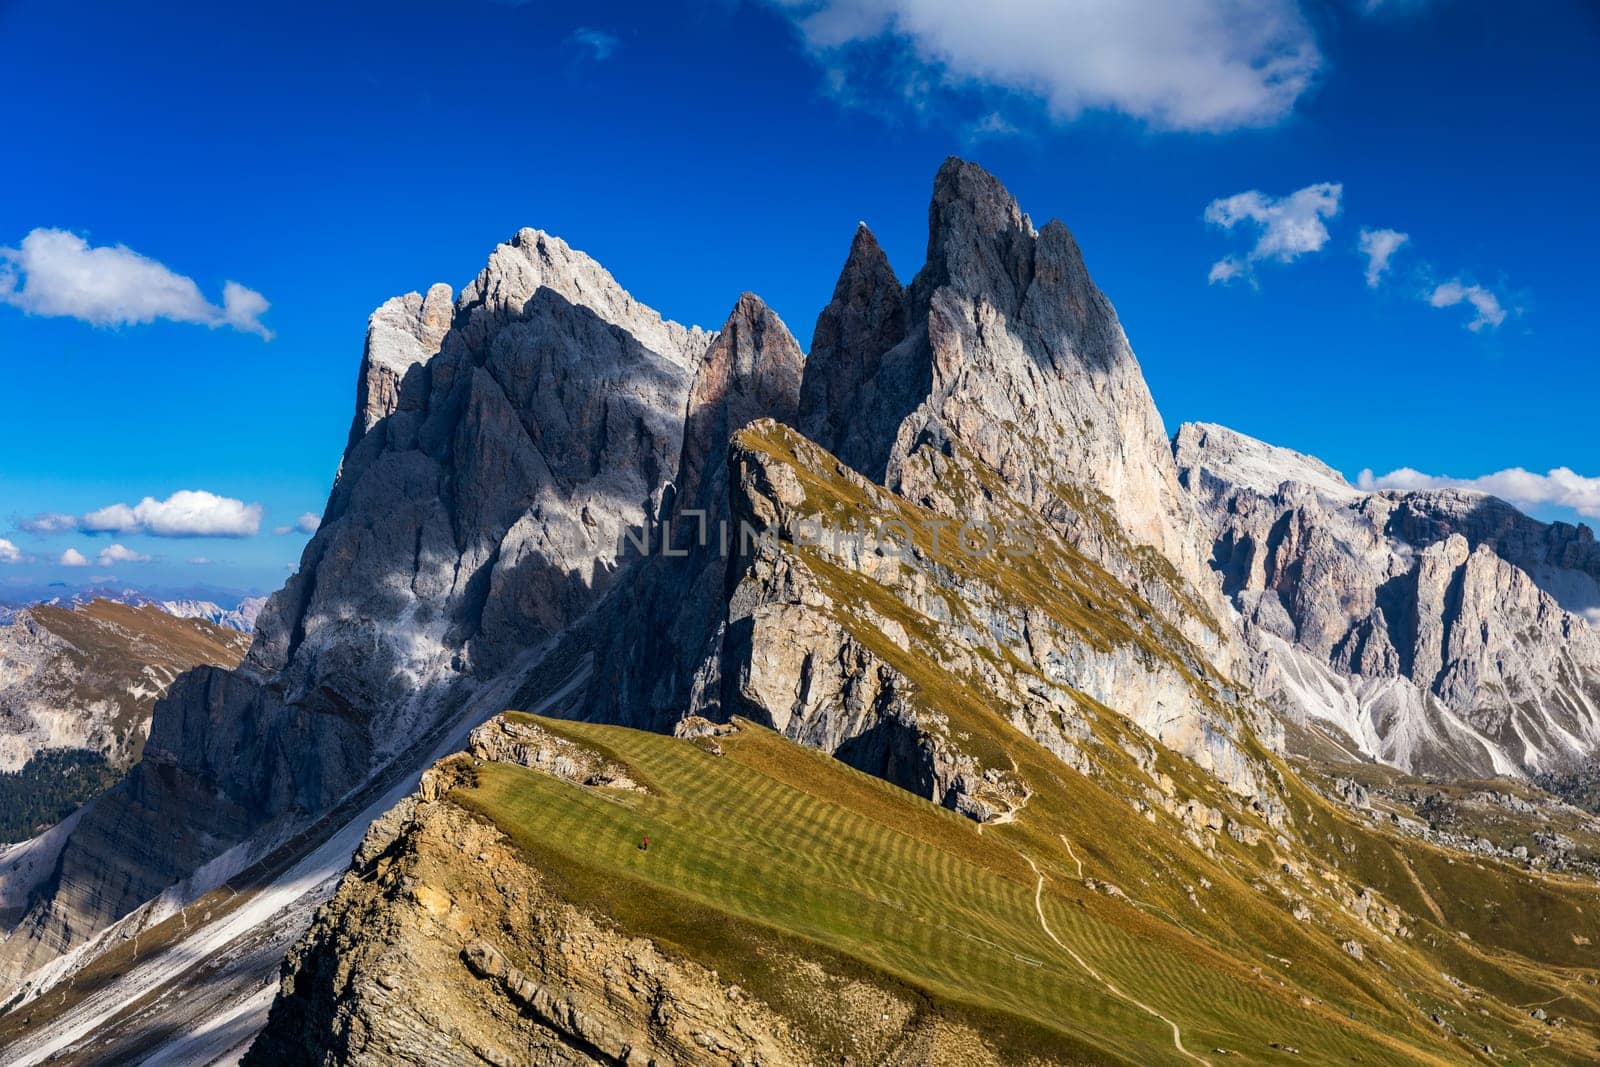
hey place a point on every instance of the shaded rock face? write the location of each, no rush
(855, 393)
(656, 643)
(1428, 626)
(498, 453)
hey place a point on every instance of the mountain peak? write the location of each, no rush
(979, 239)
(1206, 449)
(865, 320)
(534, 262)
(751, 370)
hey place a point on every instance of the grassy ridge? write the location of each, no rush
(773, 849)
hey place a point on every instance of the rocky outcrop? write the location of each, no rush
(1423, 625)
(855, 627)
(522, 742)
(451, 948)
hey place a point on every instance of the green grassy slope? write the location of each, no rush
(771, 846)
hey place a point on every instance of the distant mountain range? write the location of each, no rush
(199, 603)
(241, 617)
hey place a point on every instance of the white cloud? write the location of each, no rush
(1561, 487)
(186, 513)
(198, 561)
(601, 45)
(1485, 303)
(9, 552)
(115, 554)
(305, 524)
(1288, 227)
(58, 273)
(1197, 65)
(73, 558)
(1379, 246)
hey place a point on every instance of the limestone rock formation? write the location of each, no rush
(499, 452)
(861, 624)
(1010, 350)
(1427, 626)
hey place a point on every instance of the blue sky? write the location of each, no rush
(325, 157)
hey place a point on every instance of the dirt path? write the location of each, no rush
(1073, 855)
(1038, 906)
(1427, 898)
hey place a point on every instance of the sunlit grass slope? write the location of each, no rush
(770, 851)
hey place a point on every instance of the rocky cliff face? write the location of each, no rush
(865, 625)
(499, 453)
(1427, 626)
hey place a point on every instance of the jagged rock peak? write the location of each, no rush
(751, 370)
(533, 260)
(404, 332)
(1028, 368)
(979, 240)
(865, 319)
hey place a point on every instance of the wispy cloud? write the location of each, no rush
(1561, 487)
(1286, 227)
(49, 522)
(1489, 312)
(186, 513)
(58, 273)
(599, 45)
(1202, 65)
(1379, 246)
(9, 552)
(1295, 225)
(993, 124)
